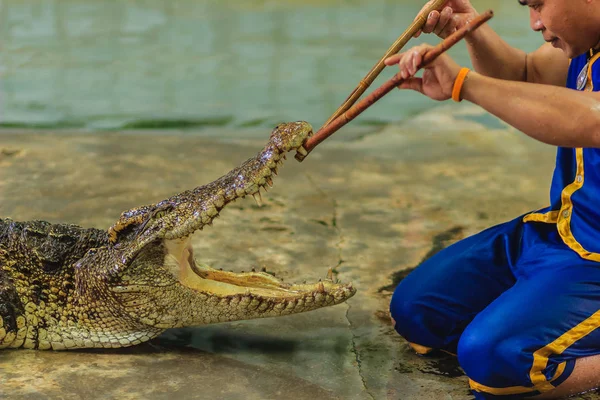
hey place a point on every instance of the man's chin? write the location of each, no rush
(558, 44)
(570, 52)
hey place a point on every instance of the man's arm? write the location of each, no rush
(550, 114)
(547, 65)
(492, 56)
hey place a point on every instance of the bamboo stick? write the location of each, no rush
(364, 84)
(387, 87)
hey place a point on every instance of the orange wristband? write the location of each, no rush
(458, 84)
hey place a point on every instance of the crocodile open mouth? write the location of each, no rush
(202, 278)
(191, 211)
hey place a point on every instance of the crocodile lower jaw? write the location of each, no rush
(202, 278)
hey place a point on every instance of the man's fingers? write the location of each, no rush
(427, 5)
(393, 60)
(432, 21)
(412, 84)
(450, 27)
(445, 17)
(408, 63)
(415, 60)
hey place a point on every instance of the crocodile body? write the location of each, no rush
(66, 287)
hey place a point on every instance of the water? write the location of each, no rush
(102, 64)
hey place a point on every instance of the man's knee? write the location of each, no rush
(493, 360)
(417, 321)
(405, 312)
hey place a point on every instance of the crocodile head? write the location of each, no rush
(149, 270)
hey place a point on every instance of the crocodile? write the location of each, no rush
(66, 287)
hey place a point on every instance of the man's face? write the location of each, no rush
(570, 25)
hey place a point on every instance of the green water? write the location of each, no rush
(191, 63)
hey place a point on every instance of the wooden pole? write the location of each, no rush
(364, 84)
(387, 87)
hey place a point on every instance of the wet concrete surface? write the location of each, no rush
(371, 208)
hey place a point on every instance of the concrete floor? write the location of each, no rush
(371, 204)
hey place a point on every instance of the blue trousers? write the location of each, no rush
(514, 303)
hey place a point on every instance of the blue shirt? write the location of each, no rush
(575, 190)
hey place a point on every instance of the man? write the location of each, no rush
(519, 303)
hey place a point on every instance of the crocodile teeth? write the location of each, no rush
(274, 171)
(269, 181)
(257, 198)
(330, 274)
(302, 151)
(321, 288)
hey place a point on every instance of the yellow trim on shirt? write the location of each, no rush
(589, 71)
(551, 217)
(562, 217)
(566, 211)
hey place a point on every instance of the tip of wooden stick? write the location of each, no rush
(479, 20)
(300, 157)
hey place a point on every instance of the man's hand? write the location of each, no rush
(438, 77)
(453, 16)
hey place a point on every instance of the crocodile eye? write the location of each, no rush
(162, 211)
(160, 214)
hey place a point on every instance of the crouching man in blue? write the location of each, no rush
(519, 303)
